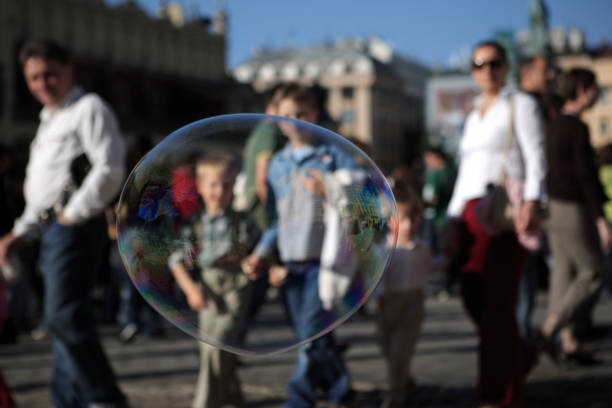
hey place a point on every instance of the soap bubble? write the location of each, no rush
(335, 215)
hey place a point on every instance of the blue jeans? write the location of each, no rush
(133, 309)
(319, 364)
(526, 298)
(535, 268)
(69, 258)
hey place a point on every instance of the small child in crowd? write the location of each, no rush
(220, 238)
(401, 300)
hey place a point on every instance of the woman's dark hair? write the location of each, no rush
(46, 50)
(574, 78)
(501, 51)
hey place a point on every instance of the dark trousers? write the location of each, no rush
(489, 287)
(69, 258)
(133, 309)
(528, 287)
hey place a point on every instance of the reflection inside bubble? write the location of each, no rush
(246, 273)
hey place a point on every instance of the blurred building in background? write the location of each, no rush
(449, 99)
(599, 117)
(158, 73)
(450, 92)
(375, 96)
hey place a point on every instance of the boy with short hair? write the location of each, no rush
(296, 177)
(401, 305)
(220, 238)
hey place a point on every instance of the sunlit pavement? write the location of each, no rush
(162, 372)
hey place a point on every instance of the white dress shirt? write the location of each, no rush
(81, 123)
(482, 149)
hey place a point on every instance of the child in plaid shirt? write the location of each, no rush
(220, 238)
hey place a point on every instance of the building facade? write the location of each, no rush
(374, 95)
(449, 99)
(599, 117)
(157, 73)
(449, 93)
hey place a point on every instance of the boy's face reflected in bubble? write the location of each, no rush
(215, 187)
(149, 244)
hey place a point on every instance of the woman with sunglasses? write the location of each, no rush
(493, 262)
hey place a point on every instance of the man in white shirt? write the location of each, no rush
(65, 213)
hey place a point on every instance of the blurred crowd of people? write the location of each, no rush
(58, 251)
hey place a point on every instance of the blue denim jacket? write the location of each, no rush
(296, 214)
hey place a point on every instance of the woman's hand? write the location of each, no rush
(528, 217)
(605, 233)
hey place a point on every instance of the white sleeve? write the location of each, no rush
(26, 226)
(102, 143)
(530, 132)
(457, 201)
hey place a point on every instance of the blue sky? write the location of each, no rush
(428, 30)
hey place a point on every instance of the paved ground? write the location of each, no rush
(161, 372)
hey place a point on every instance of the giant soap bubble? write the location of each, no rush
(331, 216)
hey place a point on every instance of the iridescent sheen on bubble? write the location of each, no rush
(160, 200)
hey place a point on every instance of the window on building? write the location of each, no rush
(348, 116)
(604, 127)
(347, 92)
(604, 96)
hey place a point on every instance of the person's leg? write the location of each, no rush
(582, 294)
(331, 373)
(128, 298)
(526, 297)
(451, 275)
(151, 322)
(258, 298)
(237, 299)
(403, 343)
(319, 363)
(575, 249)
(582, 324)
(67, 256)
(204, 389)
(490, 279)
(472, 295)
(501, 359)
(301, 392)
(217, 385)
(560, 279)
(6, 399)
(385, 324)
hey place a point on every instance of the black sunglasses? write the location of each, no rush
(494, 64)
